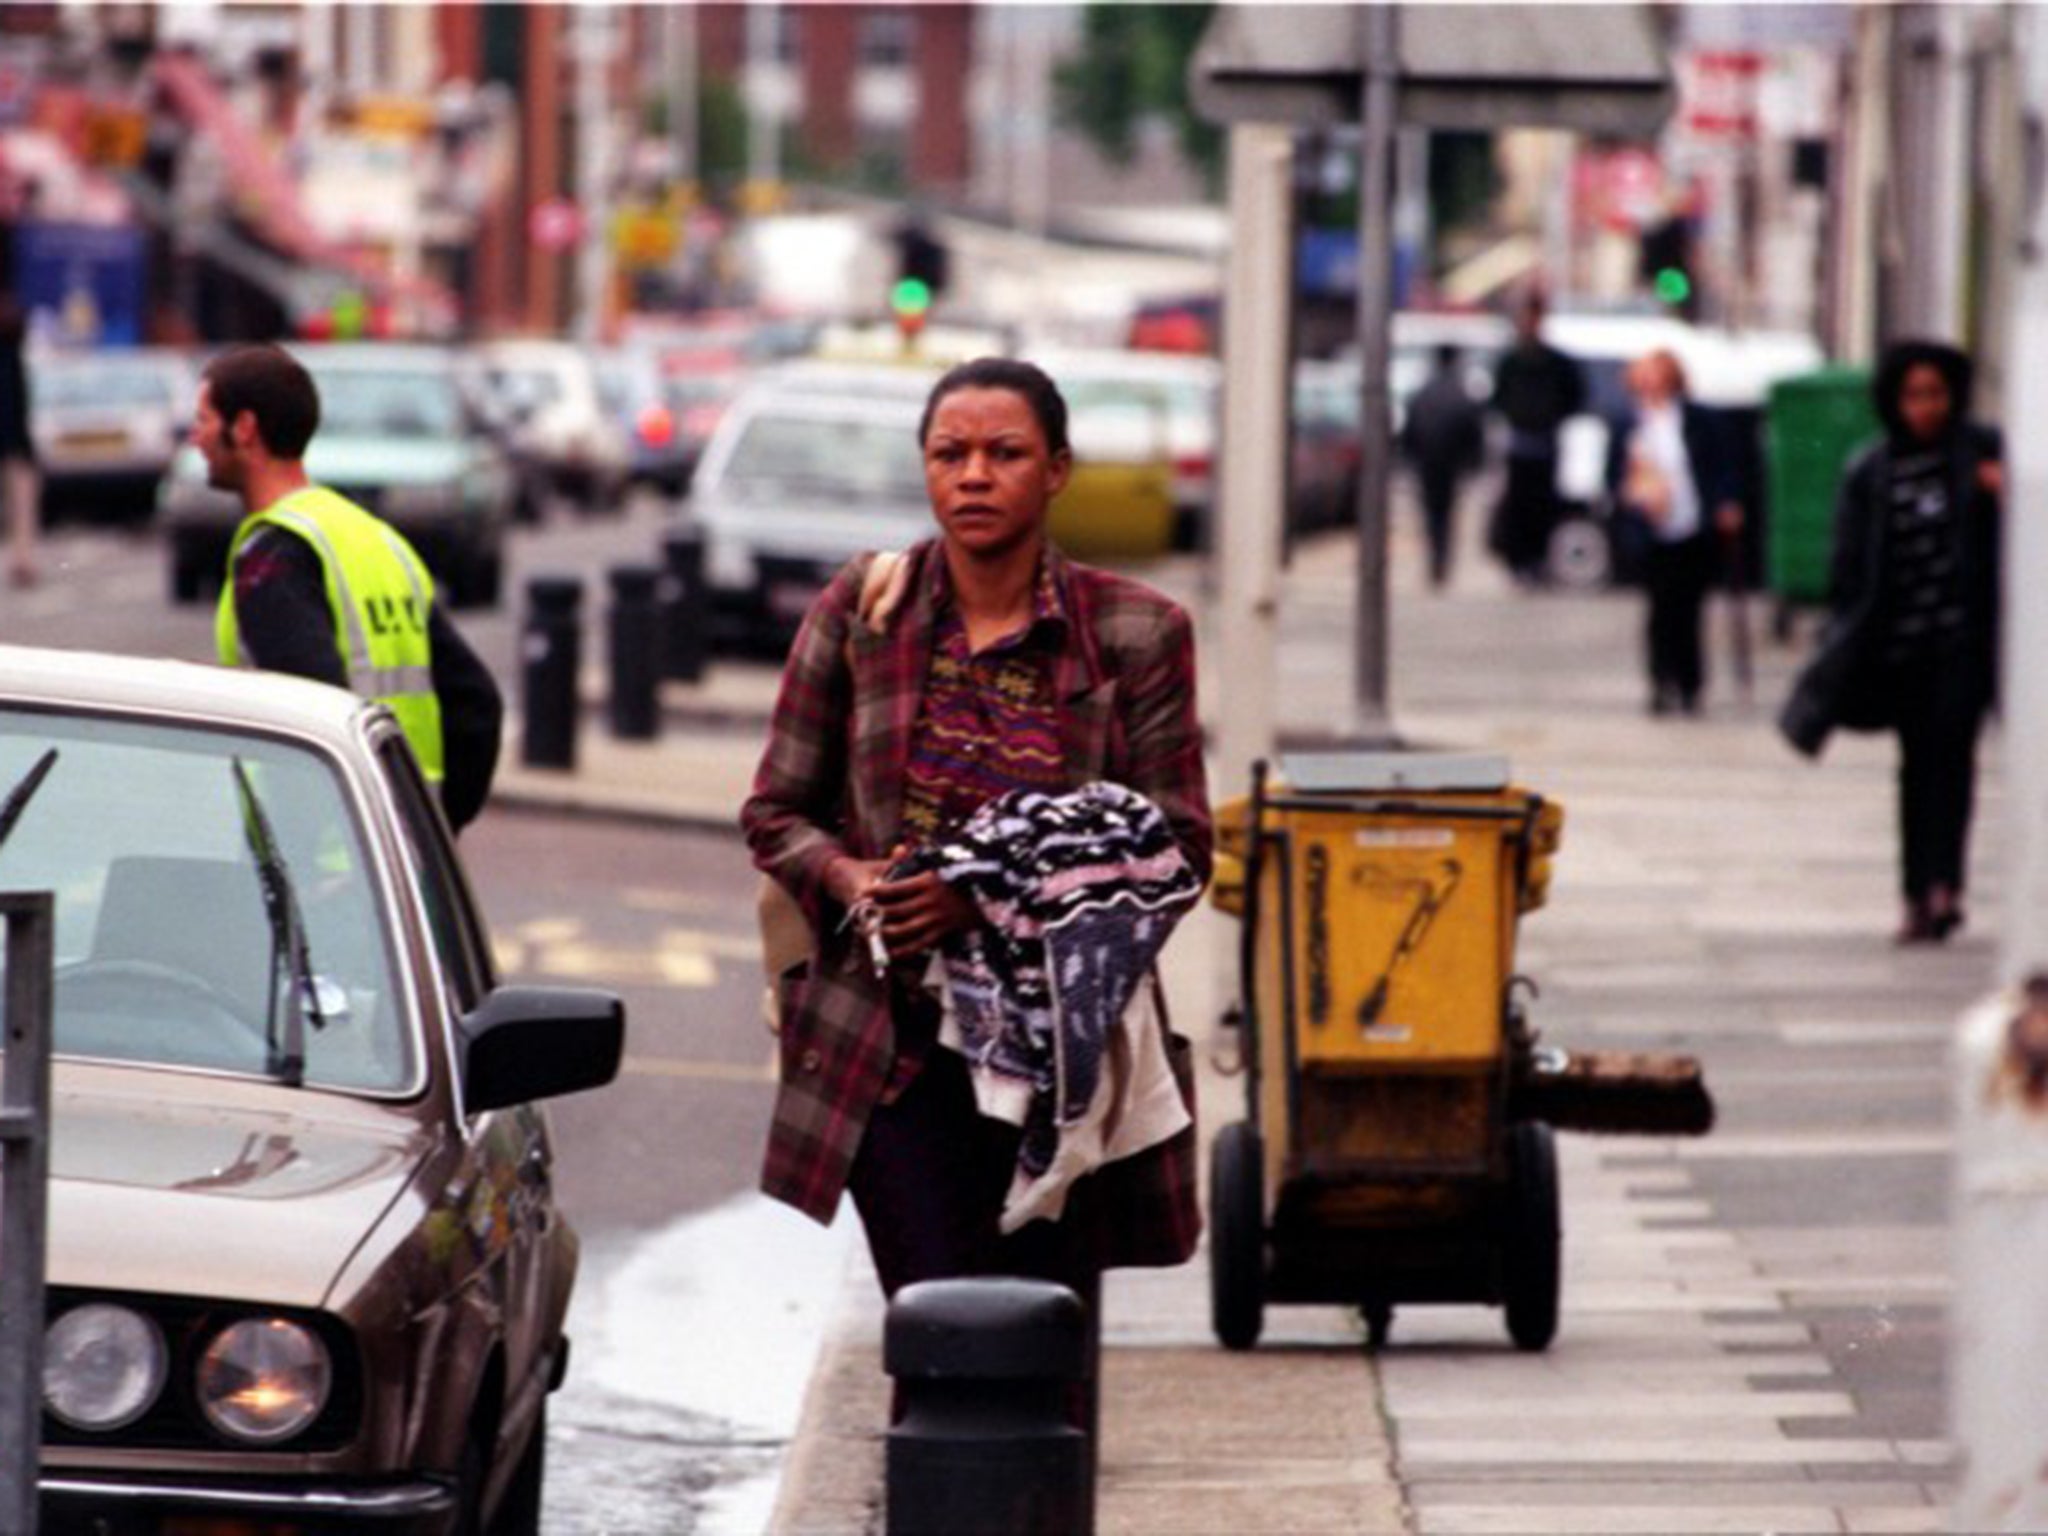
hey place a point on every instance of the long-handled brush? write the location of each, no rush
(1615, 1092)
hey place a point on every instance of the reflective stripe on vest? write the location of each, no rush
(379, 594)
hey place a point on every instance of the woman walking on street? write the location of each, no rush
(1912, 641)
(978, 666)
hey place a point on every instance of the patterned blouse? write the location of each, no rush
(988, 723)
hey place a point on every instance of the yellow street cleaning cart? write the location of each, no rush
(1397, 1144)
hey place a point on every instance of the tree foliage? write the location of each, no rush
(1133, 65)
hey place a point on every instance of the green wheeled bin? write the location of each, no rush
(1814, 425)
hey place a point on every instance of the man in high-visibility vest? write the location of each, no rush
(319, 587)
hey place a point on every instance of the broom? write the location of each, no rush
(1613, 1092)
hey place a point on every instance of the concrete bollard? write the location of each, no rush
(984, 1447)
(550, 656)
(682, 605)
(1999, 1211)
(634, 653)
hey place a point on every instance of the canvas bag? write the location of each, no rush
(786, 938)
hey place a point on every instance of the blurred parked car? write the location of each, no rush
(1325, 458)
(630, 385)
(1188, 392)
(105, 426)
(396, 435)
(814, 463)
(306, 1271)
(542, 399)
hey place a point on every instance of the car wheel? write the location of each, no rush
(188, 572)
(1531, 1250)
(1237, 1237)
(1581, 558)
(519, 1513)
(483, 584)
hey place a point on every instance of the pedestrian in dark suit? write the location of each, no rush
(1536, 389)
(1444, 437)
(20, 485)
(1004, 665)
(1676, 481)
(1912, 638)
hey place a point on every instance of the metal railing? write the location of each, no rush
(24, 1198)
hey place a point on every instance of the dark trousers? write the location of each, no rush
(1528, 514)
(1939, 715)
(1439, 488)
(1678, 576)
(929, 1182)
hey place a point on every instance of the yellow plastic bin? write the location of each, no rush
(1379, 896)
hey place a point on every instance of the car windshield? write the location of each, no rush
(389, 402)
(864, 458)
(103, 386)
(164, 950)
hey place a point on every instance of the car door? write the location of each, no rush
(508, 1167)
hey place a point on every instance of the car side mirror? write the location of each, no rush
(525, 1043)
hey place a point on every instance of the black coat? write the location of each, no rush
(1846, 683)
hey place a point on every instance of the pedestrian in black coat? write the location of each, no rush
(1444, 436)
(1912, 638)
(20, 485)
(1536, 388)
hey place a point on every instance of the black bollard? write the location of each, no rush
(551, 654)
(984, 1370)
(682, 604)
(635, 653)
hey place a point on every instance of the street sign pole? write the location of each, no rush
(1373, 721)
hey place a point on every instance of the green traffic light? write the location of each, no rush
(912, 296)
(1673, 286)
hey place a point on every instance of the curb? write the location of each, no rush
(586, 804)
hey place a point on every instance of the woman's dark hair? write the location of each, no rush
(268, 383)
(1019, 378)
(1900, 359)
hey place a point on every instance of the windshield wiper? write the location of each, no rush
(25, 791)
(286, 1060)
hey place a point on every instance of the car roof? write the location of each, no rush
(185, 692)
(337, 355)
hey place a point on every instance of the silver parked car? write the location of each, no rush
(306, 1271)
(811, 465)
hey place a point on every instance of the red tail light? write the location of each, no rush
(1197, 466)
(657, 426)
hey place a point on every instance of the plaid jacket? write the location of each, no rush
(831, 782)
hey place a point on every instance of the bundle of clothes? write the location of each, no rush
(1053, 999)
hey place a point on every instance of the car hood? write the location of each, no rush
(261, 1193)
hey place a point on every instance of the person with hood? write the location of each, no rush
(1911, 643)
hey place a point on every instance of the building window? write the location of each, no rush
(887, 35)
(789, 34)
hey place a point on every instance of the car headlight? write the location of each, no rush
(264, 1379)
(102, 1366)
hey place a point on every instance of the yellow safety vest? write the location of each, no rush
(378, 591)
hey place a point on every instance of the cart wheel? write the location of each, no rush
(1531, 1245)
(1379, 1322)
(1237, 1237)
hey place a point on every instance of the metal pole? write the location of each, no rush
(764, 147)
(2024, 696)
(1258, 323)
(683, 109)
(24, 1198)
(593, 44)
(1372, 720)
